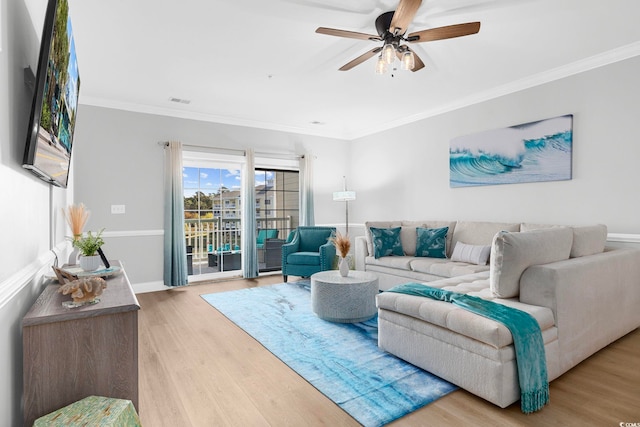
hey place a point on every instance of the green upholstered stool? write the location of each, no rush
(93, 411)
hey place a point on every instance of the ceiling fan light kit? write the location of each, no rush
(391, 28)
(381, 65)
(408, 62)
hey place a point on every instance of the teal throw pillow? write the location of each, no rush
(386, 241)
(432, 242)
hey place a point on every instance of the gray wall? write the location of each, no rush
(404, 174)
(31, 211)
(119, 161)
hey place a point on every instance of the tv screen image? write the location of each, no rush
(55, 102)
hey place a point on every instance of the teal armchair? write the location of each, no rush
(308, 252)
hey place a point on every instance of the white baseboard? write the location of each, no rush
(141, 288)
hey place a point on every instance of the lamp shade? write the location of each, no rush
(344, 196)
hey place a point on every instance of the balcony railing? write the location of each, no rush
(214, 235)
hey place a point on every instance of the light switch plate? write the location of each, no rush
(117, 209)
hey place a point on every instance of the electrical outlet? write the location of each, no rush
(117, 209)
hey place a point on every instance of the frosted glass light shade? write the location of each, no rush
(388, 53)
(381, 66)
(344, 196)
(408, 61)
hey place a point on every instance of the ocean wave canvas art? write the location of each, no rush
(530, 152)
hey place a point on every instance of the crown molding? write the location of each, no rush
(202, 117)
(596, 61)
(606, 58)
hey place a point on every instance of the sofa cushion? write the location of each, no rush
(479, 233)
(395, 262)
(408, 233)
(454, 318)
(588, 240)
(431, 242)
(386, 242)
(304, 258)
(530, 226)
(311, 238)
(474, 254)
(443, 267)
(377, 224)
(512, 253)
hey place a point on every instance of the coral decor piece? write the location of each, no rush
(83, 291)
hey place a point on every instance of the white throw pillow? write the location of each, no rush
(473, 254)
(513, 253)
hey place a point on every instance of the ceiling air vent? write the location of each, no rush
(180, 101)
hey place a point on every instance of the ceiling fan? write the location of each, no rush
(391, 28)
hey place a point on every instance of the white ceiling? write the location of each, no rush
(260, 63)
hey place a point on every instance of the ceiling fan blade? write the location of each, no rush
(360, 59)
(417, 62)
(403, 16)
(441, 33)
(347, 34)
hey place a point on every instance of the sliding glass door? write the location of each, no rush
(212, 209)
(277, 214)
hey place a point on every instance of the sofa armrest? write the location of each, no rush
(291, 247)
(361, 252)
(594, 299)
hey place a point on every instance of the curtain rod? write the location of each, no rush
(237, 152)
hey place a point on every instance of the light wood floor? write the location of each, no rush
(199, 369)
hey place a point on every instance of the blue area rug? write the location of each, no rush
(343, 361)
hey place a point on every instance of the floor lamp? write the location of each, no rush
(345, 196)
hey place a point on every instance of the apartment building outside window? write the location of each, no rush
(213, 212)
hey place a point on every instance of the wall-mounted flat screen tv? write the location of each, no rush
(55, 101)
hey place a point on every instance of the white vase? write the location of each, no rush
(73, 257)
(344, 267)
(89, 263)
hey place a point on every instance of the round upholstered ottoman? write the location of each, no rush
(344, 299)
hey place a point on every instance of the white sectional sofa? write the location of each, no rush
(583, 295)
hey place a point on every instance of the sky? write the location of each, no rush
(209, 180)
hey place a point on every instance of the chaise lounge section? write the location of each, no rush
(583, 296)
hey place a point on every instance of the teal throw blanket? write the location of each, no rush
(527, 339)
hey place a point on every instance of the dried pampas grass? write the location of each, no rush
(77, 216)
(342, 244)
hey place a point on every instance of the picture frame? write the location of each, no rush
(530, 152)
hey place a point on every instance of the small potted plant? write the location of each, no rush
(88, 246)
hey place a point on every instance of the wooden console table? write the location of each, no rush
(69, 354)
